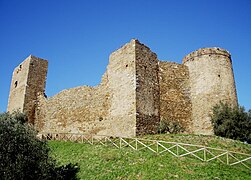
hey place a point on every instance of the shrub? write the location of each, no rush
(23, 155)
(170, 127)
(233, 123)
(68, 171)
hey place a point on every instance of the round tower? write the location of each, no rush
(211, 81)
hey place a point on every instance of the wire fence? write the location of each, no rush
(203, 153)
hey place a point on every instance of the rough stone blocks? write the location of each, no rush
(137, 91)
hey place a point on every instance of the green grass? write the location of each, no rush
(204, 140)
(104, 162)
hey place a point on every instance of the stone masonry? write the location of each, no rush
(211, 80)
(137, 91)
(28, 79)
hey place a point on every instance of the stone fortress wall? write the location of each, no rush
(136, 92)
(175, 101)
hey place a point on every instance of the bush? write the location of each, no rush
(23, 155)
(68, 171)
(233, 123)
(170, 127)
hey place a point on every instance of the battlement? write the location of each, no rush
(206, 51)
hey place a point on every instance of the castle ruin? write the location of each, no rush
(136, 92)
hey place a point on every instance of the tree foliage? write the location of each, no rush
(24, 156)
(232, 123)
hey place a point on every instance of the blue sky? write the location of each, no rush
(78, 36)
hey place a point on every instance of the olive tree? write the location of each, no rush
(231, 122)
(24, 156)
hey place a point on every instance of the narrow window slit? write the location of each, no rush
(15, 84)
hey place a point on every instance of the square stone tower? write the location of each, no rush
(134, 86)
(28, 80)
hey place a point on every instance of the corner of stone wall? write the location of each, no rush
(121, 86)
(147, 91)
(40, 111)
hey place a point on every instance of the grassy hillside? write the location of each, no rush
(101, 162)
(204, 140)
